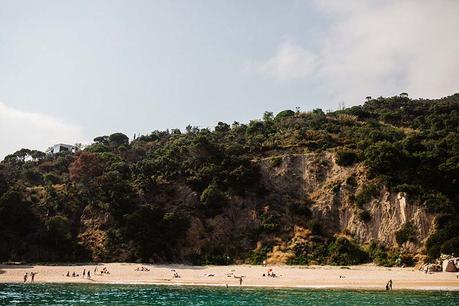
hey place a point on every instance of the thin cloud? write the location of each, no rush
(290, 61)
(20, 129)
(377, 48)
(392, 46)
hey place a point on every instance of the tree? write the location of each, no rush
(222, 127)
(268, 116)
(403, 95)
(118, 139)
(59, 228)
(346, 157)
(101, 139)
(85, 167)
(285, 114)
(212, 196)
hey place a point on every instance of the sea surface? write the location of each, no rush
(76, 294)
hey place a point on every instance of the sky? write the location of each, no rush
(73, 70)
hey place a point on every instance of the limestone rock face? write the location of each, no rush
(330, 189)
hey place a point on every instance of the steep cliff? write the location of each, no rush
(329, 191)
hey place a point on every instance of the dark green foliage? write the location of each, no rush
(346, 158)
(154, 232)
(118, 139)
(311, 252)
(444, 240)
(345, 252)
(58, 228)
(365, 195)
(257, 257)
(383, 257)
(380, 255)
(406, 233)
(144, 195)
(17, 222)
(213, 198)
(285, 114)
(451, 246)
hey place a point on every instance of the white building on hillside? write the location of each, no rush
(60, 147)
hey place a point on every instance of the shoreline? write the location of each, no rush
(363, 277)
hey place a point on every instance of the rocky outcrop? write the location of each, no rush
(330, 191)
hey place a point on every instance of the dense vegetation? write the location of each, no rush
(142, 199)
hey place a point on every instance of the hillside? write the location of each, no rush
(377, 182)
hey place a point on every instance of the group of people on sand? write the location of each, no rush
(176, 275)
(270, 273)
(142, 268)
(32, 276)
(103, 271)
(85, 274)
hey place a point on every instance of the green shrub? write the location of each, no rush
(298, 260)
(366, 194)
(212, 196)
(382, 257)
(285, 114)
(51, 178)
(346, 158)
(406, 233)
(256, 257)
(345, 252)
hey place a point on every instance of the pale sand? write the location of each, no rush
(356, 277)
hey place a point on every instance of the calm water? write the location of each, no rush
(18, 294)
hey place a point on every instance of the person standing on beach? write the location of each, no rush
(89, 274)
(32, 275)
(389, 285)
(25, 277)
(84, 272)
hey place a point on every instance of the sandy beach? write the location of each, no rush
(368, 277)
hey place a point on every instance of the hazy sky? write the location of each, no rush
(73, 70)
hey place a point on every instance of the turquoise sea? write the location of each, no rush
(73, 294)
